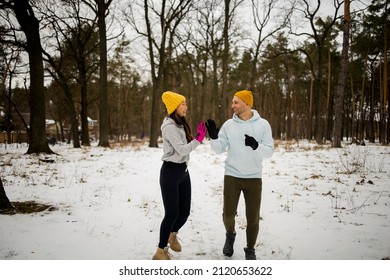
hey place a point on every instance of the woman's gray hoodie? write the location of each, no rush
(175, 146)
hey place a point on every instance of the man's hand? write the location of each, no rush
(212, 129)
(251, 142)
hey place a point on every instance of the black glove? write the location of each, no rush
(212, 129)
(251, 142)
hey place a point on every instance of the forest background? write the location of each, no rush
(97, 68)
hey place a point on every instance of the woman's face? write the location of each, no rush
(182, 109)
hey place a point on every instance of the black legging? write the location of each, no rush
(175, 185)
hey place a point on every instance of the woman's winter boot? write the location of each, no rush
(161, 254)
(173, 242)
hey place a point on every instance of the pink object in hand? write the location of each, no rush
(201, 132)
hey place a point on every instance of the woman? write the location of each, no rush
(175, 180)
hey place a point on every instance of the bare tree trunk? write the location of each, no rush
(310, 119)
(225, 60)
(329, 113)
(353, 114)
(156, 78)
(30, 26)
(372, 110)
(215, 92)
(73, 117)
(9, 108)
(384, 138)
(63, 81)
(5, 204)
(339, 100)
(388, 121)
(84, 104)
(103, 125)
(361, 107)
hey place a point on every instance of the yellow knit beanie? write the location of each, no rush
(172, 100)
(245, 96)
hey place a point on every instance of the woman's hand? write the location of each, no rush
(201, 132)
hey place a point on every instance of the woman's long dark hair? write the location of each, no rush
(182, 121)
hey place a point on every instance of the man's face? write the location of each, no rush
(239, 106)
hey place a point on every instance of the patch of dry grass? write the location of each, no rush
(27, 207)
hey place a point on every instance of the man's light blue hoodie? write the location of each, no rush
(242, 161)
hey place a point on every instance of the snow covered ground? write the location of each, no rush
(318, 204)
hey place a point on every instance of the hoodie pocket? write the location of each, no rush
(245, 164)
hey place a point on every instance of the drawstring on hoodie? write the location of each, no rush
(251, 125)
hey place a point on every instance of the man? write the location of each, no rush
(248, 139)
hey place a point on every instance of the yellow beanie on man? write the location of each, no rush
(245, 96)
(172, 100)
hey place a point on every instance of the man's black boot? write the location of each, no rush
(229, 242)
(250, 253)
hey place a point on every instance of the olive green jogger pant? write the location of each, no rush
(252, 195)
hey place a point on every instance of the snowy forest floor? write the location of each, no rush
(99, 203)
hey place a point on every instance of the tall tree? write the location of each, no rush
(343, 76)
(201, 47)
(225, 60)
(125, 95)
(378, 16)
(386, 128)
(321, 30)
(210, 48)
(10, 60)
(29, 24)
(268, 21)
(58, 72)
(159, 45)
(370, 45)
(102, 9)
(75, 40)
(229, 12)
(103, 124)
(364, 47)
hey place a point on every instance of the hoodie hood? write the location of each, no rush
(167, 121)
(254, 118)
